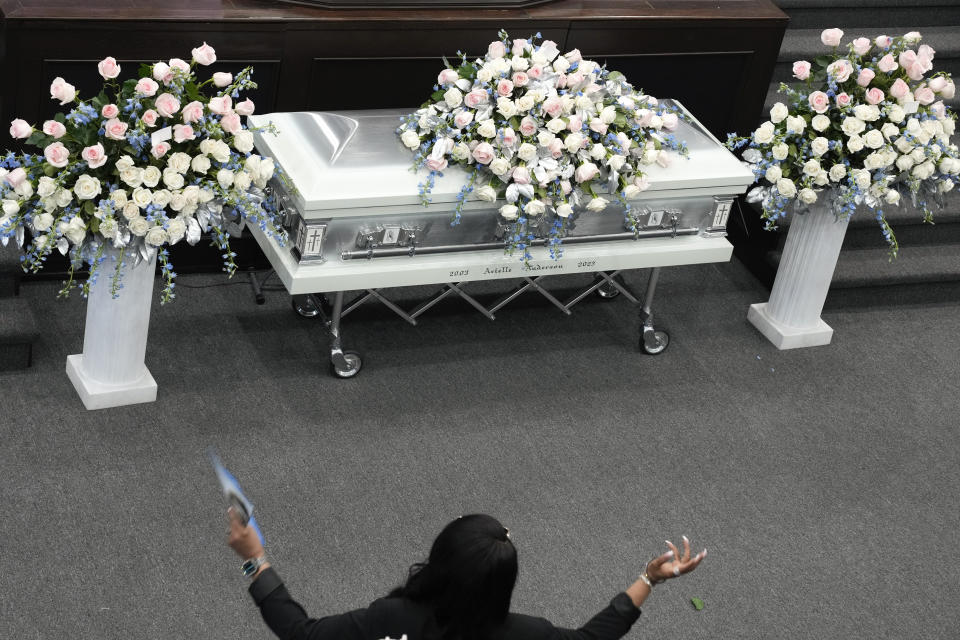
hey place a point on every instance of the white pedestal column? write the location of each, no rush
(791, 318)
(110, 372)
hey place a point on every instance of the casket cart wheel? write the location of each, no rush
(349, 367)
(654, 342)
(607, 291)
(307, 306)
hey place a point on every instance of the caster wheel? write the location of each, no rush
(306, 306)
(353, 362)
(608, 291)
(654, 342)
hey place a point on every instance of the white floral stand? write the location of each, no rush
(791, 318)
(110, 372)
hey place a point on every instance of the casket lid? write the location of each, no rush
(354, 159)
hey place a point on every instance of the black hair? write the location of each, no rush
(468, 579)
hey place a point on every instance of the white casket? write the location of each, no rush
(356, 220)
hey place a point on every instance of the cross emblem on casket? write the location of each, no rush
(314, 241)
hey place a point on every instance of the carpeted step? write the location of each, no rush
(869, 13)
(18, 332)
(10, 271)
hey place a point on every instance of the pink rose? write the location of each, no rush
(475, 98)
(16, 177)
(865, 77)
(57, 154)
(939, 109)
(108, 68)
(642, 183)
(183, 132)
(437, 165)
(556, 147)
(177, 63)
(831, 37)
(801, 69)
(162, 73)
(840, 70)
(861, 46)
(574, 79)
(149, 117)
(874, 96)
(504, 87)
(887, 64)
(883, 41)
(115, 129)
(599, 126)
(192, 112)
(54, 128)
(937, 84)
(843, 99)
(575, 123)
(509, 136)
(519, 45)
(566, 186)
(907, 58)
(573, 56)
(62, 90)
(535, 71)
(463, 118)
(899, 88)
(220, 105)
(670, 121)
(167, 105)
(644, 116)
(160, 149)
(20, 129)
(483, 153)
(244, 108)
(561, 81)
(231, 122)
(521, 175)
(528, 126)
(948, 90)
(95, 156)
(819, 101)
(924, 95)
(926, 51)
(496, 50)
(915, 71)
(222, 78)
(204, 54)
(520, 79)
(553, 106)
(447, 76)
(109, 111)
(586, 171)
(147, 87)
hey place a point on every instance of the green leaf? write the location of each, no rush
(515, 123)
(614, 76)
(823, 61)
(49, 170)
(192, 92)
(129, 86)
(697, 603)
(62, 119)
(793, 150)
(437, 96)
(467, 71)
(37, 139)
(94, 224)
(145, 70)
(89, 207)
(621, 120)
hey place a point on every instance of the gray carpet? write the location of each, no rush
(823, 481)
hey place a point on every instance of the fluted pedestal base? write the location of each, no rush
(97, 395)
(786, 337)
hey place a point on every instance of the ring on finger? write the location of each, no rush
(676, 570)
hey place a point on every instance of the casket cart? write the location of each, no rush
(356, 222)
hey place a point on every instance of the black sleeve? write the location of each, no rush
(288, 620)
(613, 622)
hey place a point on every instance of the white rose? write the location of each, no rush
(460, 152)
(506, 107)
(584, 103)
(138, 226)
(561, 64)
(811, 167)
(535, 207)
(564, 210)
(172, 179)
(192, 194)
(206, 195)
(918, 154)
(945, 185)
(868, 112)
(892, 197)
(786, 188)
(890, 131)
(151, 176)
(597, 204)
(142, 197)
(863, 179)
(796, 124)
(631, 191)
(556, 125)
(87, 187)
(486, 193)
(780, 151)
(75, 230)
(207, 146)
(453, 97)
(837, 172)
(822, 178)
(177, 201)
(179, 162)
(130, 210)
(544, 138)
(46, 187)
(487, 129)
(201, 163)
(873, 139)
(251, 164)
(596, 151)
(161, 197)
(779, 112)
(485, 74)
(948, 127)
(525, 103)
(527, 152)
(242, 142)
(221, 152)
(519, 63)
(656, 122)
(773, 174)
(176, 229)
(124, 163)
(820, 122)
(903, 145)
(225, 178)
(764, 133)
(509, 212)
(43, 221)
(912, 37)
(266, 169)
(650, 156)
(852, 126)
(156, 236)
(855, 143)
(895, 113)
(242, 180)
(904, 162)
(500, 166)
(108, 228)
(63, 197)
(819, 146)
(608, 115)
(807, 196)
(616, 162)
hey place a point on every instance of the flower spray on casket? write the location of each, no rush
(545, 132)
(146, 163)
(868, 128)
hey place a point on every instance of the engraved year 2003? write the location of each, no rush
(586, 263)
(459, 272)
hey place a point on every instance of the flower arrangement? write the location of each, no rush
(146, 163)
(550, 134)
(868, 128)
